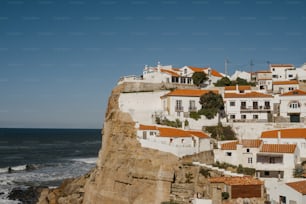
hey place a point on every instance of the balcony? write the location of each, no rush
(192, 109)
(179, 108)
(255, 108)
(294, 110)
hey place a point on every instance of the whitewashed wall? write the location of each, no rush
(141, 105)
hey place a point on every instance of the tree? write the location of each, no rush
(199, 78)
(212, 104)
(224, 81)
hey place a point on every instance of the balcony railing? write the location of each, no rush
(192, 109)
(255, 108)
(179, 108)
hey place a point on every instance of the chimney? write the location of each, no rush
(237, 88)
(158, 66)
(279, 136)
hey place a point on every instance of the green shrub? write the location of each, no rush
(205, 172)
(195, 115)
(225, 195)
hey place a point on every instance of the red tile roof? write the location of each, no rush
(281, 65)
(247, 95)
(285, 133)
(229, 145)
(299, 186)
(215, 73)
(196, 69)
(240, 88)
(251, 143)
(247, 143)
(278, 148)
(174, 132)
(296, 92)
(172, 73)
(245, 180)
(285, 82)
(188, 92)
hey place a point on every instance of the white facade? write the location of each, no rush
(280, 87)
(142, 106)
(293, 105)
(237, 153)
(177, 142)
(253, 106)
(283, 72)
(277, 190)
(242, 75)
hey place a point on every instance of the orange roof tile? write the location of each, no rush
(281, 65)
(251, 143)
(172, 73)
(299, 186)
(147, 127)
(278, 148)
(196, 69)
(232, 181)
(229, 145)
(199, 134)
(188, 92)
(215, 73)
(247, 143)
(285, 82)
(247, 95)
(294, 93)
(173, 132)
(285, 133)
(241, 88)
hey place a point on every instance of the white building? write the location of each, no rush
(280, 87)
(212, 74)
(238, 152)
(277, 160)
(241, 75)
(173, 140)
(181, 102)
(293, 106)
(248, 106)
(283, 72)
(287, 136)
(263, 80)
(301, 73)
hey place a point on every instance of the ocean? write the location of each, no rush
(44, 157)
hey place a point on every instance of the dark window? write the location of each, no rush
(247, 150)
(232, 103)
(228, 154)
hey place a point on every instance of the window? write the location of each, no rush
(255, 117)
(255, 105)
(185, 71)
(243, 116)
(267, 105)
(232, 117)
(228, 154)
(151, 133)
(273, 69)
(294, 104)
(274, 76)
(178, 107)
(232, 103)
(250, 160)
(267, 173)
(247, 150)
(183, 80)
(290, 75)
(192, 107)
(290, 88)
(243, 105)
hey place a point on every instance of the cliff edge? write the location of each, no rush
(125, 172)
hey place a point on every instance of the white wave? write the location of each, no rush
(19, 168)
(86, 160)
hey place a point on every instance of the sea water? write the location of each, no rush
(44, 157)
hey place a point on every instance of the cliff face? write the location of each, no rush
(125, 172)
(128, 173)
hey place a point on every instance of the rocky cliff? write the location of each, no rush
(126, 172)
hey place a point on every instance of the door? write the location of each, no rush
(294, 118)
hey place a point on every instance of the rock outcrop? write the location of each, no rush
(126, 172)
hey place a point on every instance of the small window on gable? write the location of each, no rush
(228, 154)
(185, 71)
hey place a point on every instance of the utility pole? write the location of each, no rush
(251, 65)
(225, 66)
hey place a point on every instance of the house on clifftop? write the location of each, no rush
(173, 140)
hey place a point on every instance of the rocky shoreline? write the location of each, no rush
(26, 195)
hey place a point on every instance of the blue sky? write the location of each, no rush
(60, 59)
